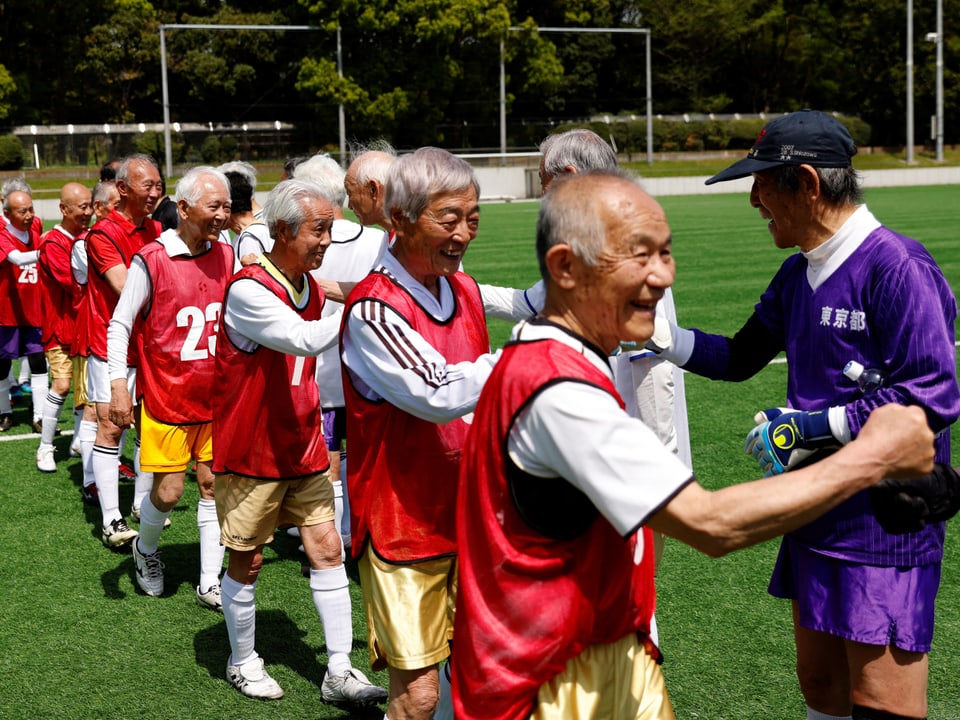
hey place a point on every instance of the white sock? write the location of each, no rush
(331, 596)
(24, 375)
(105, 461)
(211, 551)
(5, 407)
(41, 386)
(143, 483)
(77, 419)
(240, 617)
(444, 709)
(338, 513)
(817, 715)
(88, 435)
(151, 524)
(51, 416)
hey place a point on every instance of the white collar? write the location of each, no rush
(826, 258)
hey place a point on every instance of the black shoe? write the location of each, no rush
(6, 422)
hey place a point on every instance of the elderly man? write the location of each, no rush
(20, 311)
(415, 353)
(173, 294)
(863, 598)
(58, 310)
(106, 199)
(652, 388)
(354, 251)
(560, 487)
(111, 245)
(271, 331)
(365, 183)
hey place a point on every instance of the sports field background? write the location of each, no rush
(78, 641)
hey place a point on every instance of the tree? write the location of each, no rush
(122, 61)
(416, 72)
(7, 88)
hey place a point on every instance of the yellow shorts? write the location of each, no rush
(616, 681)
(250, 510)
(58, 362)
(170, 448)
(80, 398)
(409, 610)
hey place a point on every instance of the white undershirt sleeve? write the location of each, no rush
(255, 313)
(393, 361)
(578, 432)
(20, 257)
(136, 292)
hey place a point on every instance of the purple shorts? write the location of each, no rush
(870, 604)
(18, 342)
(334, 427)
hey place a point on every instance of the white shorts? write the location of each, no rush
(98, 381)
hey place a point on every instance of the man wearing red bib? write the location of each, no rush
(560, 488)
(173, 295)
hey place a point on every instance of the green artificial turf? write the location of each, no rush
(78, 641)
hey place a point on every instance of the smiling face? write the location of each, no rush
(304, 251)
(435, 243)
(203, 221)
(76, 207)
(612, 297)
(140, 192)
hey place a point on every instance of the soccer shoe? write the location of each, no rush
(253, 681)
(45, 460)
(37, 427)
(149, 571)
(126, 473)
(135, 516)
(26, 388)
(351, 687)
(117, 534)
(210, 599)
(15, 394)
(6, 422)
(90, 494)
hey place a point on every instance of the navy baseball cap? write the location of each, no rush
(806, 137)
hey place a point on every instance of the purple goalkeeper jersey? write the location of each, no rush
(886, 306)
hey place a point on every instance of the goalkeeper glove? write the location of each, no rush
(903, 506)
(784, 438)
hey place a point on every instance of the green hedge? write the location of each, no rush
(11, 152)
(630, 135)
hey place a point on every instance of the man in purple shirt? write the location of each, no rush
(862, 598)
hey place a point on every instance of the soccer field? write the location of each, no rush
(78, 641)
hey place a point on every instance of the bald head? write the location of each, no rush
(604, 249)
(76, 207)
(364, 183)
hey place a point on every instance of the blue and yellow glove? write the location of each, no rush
(783, 438)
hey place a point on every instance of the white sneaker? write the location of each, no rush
(117, 534)
(149, 571)
(45, 460)
(352, 687)
(252, 680)
(210, 599)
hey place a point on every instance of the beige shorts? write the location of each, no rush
(58, 362)
(409, 610)
(80, 398)
(615, 680)
(250, 510)
(170, 448)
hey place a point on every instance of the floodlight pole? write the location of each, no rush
(649, 77)
(163, 71)
(910, 130)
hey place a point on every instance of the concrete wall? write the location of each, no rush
(505, 184)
